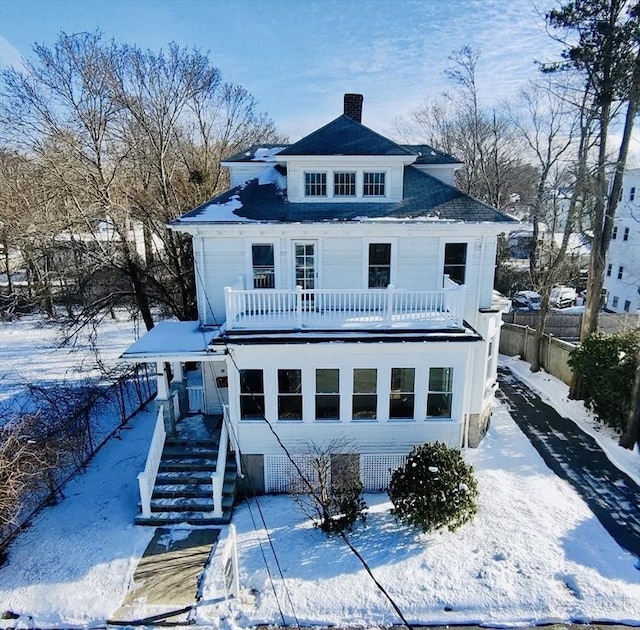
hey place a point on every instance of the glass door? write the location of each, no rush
(305, 274)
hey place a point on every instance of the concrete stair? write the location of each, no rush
(183, 491)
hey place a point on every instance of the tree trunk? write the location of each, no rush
(631, 436)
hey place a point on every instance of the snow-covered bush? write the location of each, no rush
(434, 489)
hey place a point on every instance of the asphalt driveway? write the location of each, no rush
(574, 456)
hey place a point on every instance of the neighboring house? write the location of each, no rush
(622, 271)
(345, 294)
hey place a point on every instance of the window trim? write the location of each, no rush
(277, 269)
(449, 392)
(317, 394)
(375, 393)
(393, 241)
(384, 184)
(326, 184)
(290, 395)
(401, 392)
(354, 184)
(251, 395)
(467, 267)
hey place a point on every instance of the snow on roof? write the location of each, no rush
(223, 212)
(271, 175)
(170, 338)
(263, 154)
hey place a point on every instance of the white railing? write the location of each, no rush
(344, 308)
(196, 397)
(147, 478)
(217, 478)
(232, 430)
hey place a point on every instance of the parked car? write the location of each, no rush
(562, 297)
(526, 301)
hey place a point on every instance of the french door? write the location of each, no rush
(305, 271)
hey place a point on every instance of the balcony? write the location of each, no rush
(344, 309)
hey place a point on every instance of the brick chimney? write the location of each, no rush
(353, 106)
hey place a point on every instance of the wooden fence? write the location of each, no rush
(516, 340)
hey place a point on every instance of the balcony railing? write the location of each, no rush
(337, 309)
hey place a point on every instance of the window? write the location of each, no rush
(379, 265)
(620, 195)
(262, 261)
(365, 399)
(614, 302)
(609, 268)
(402, 393)
(632, 193)
(327, 394)
(440, 394)
(315, 184)
(620, 272)
(627, 306)
(489, 369)
(625, 236)
(614, 234)
(344, 184)
(373, 185)
(289, 394)
(251, 395)
(455, 261)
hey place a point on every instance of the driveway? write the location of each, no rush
(576, 457)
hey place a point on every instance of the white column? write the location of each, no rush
(163, 382)
(178, 376)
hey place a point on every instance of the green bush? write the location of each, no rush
(606, 364)
(434, 489)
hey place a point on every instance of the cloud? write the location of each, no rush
(10, 55)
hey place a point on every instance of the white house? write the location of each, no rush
(345, 297)
(622, 272)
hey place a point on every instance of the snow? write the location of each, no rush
(172, 337)
(533, 554)
(266, 155)
(272, 176)
(31, 352)
(217, 212)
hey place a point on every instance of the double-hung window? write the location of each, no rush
(402, 395)
(251, 395)
(344, 184)
(373, 184)
(290, 394)
(440, 396)
(632, 193)
(379, 265)
(627, 306)
(263, 265)
(327, 394)
(455, 261)
(620, 272)
(625, 236)
(315, 184)
(365, 397)
(614, 233)
(609, 269)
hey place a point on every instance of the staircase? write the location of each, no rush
(183, 491)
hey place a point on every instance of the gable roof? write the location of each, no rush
(425, 198)
(345, 136)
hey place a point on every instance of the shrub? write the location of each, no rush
(434, 489)
(606, 364)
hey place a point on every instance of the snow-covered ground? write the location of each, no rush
(534, 553)
(31, 352)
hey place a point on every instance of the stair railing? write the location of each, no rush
(217, 478)
(147, 478)
(233, 437)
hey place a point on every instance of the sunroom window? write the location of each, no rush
(402, 393)
(251, 395)
(327, 394)
(290, 394)
(365, 398)
(440, 396)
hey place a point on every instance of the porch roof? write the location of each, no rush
(172, 340)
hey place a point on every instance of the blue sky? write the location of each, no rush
(298, 57)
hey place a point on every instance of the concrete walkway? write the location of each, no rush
(574, 456)
(168, 574)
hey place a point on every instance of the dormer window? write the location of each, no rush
(373, 185)
(344, 184)
(315, 184)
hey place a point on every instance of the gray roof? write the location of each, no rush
(345, 136)
(425, 197)
(428, 155)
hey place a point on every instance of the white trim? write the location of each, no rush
(368, 240)
(277, 267)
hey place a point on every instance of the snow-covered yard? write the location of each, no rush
(534, 553)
